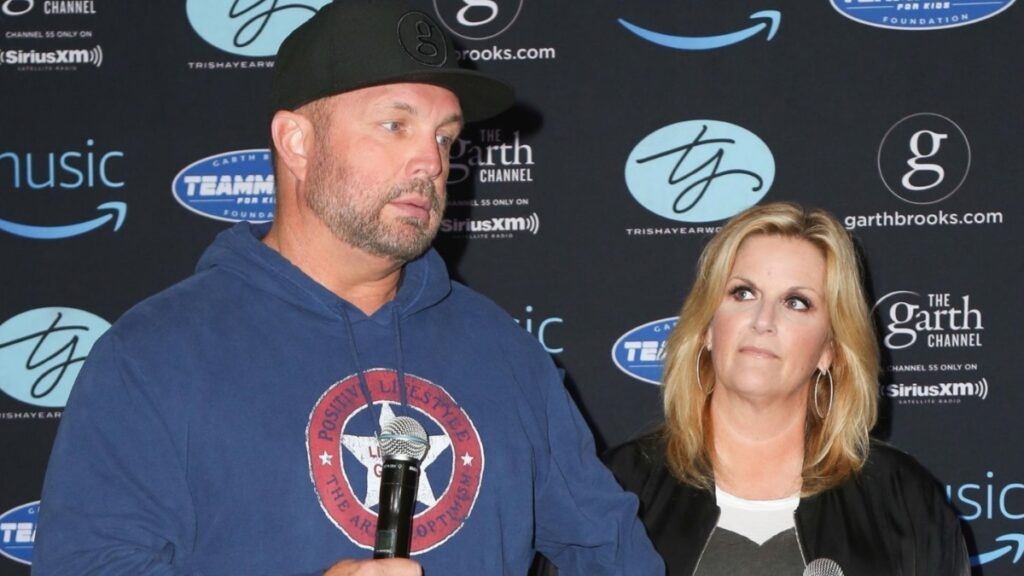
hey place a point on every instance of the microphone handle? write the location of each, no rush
(398, 485)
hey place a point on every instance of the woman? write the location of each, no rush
(764, 463)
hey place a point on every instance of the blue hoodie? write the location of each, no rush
(226, 426)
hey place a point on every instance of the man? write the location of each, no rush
(228, 425)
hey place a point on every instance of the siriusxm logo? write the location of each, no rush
(987, 500)
(771, 19)
(917, 15)
(66, 170)
(492, 227)
(478, 19)
(904, 315)
(93, 56)
(231, 186)
(700, 170)
(42, 350)
(18, 532)
(641, 351)
(254, 28)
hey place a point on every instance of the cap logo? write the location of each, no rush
(422, 39)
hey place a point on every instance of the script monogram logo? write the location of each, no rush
(463, 15)
(253, 28)
(41, 352)
(699, 171)
(478, 19)
(935, 150)
(935, 141)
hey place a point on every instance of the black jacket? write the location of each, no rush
(889, 519)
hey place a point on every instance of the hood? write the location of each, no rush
(239, 250)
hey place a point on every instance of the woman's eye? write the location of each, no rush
(798, 303)
(391, 126)
(444, 141)
(742, 293)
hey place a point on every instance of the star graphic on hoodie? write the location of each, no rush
(365, 449)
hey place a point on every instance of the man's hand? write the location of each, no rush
(389, 567)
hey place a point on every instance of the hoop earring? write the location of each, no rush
(831, 393)
(699, 385)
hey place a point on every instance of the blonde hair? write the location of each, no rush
(834, 447)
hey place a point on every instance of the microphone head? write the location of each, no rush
(823, 567)
(403, 438)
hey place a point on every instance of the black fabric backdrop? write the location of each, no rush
(561, 209)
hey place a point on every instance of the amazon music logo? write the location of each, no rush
(89, 167)
(991, 499)
(700, 170)
(42, 350)
(253, 28)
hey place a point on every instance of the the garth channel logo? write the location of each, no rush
(42, 350)
(18, 532)
(700, 171)
(640, 352)
(945, 320)
(231, 186)
(252, 28)
(917, 15)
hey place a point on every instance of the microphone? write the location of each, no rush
(823, 567)
(403, 442)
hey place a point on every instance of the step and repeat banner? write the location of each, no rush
(132, 132)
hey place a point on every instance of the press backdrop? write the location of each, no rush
(131, 133)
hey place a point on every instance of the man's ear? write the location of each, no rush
(293, 137)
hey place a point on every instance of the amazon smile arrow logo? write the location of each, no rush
(118, 211)
(1016, 542)
(771, 20)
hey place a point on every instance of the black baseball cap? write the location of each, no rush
(352, 44)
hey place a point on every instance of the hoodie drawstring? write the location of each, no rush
(363, 385)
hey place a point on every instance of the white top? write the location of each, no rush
(757, 520)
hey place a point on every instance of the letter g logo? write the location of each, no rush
(934, 148)
(17, 7)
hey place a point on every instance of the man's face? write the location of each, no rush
(378, 170)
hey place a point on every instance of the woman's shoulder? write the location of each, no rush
(636, 460)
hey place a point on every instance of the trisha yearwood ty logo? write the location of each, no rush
(249, 27)
(42, 350)
(700, 170)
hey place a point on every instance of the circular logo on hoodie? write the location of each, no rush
(345, 460)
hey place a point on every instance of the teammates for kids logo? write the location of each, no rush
(345, 461)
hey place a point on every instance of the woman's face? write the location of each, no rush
(771, 329)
